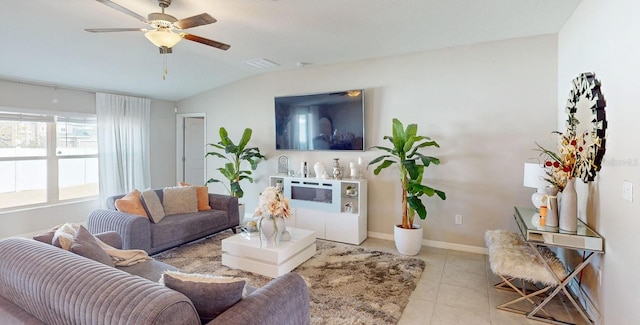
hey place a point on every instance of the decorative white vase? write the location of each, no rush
(319, 169)
(270, 229)
(551, 220)
(408, 241)
(569, 207)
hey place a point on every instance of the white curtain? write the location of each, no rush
(123, 143)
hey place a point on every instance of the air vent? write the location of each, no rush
(261, 63)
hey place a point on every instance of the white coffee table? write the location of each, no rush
(243, 253)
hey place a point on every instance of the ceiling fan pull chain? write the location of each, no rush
(165, 69)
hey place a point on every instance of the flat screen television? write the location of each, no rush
(325, 121)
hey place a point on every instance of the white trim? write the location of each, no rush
(437, 244)
(179, 140)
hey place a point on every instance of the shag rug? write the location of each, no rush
(347, 284)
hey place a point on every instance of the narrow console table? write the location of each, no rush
(585, 239)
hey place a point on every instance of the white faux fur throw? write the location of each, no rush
(65, 233)
(510, 256)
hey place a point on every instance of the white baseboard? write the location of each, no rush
(437, 244)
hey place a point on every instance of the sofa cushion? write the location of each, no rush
(131, 204)
(151, 270)
(151, 202)
(202, 193)
(210, 294)
(178, 200)
(177, 229)
(84, 244)
(45, 237)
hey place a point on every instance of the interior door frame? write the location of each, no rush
(180, 142)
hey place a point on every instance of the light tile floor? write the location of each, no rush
(457, 288)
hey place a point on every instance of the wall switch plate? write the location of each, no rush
(627, 191)
(458, 219)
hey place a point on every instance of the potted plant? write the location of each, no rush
(235, 155)
(405, 154)
(350, 191)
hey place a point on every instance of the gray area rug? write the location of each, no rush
(347, 284)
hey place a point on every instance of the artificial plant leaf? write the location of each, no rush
(416, 204)
(399, 137)
(382, 166)
(377, 159)
(414, 170)
(246, 136)
(224, 137)
(427, 160)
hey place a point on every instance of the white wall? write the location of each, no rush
(23, 95)
(485, 104)
(602, 37)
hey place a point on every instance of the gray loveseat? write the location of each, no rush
(43, 284)
(173, 230)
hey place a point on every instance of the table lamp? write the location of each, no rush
(534, 175)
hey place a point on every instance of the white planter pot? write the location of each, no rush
(241, 208)
(408, 241)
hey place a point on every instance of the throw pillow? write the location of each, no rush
(63, 236)
(131, 204)
(151, 202)
(47, 237)
(179, 200)
(203, 196)
(84, 244)
(210, 294)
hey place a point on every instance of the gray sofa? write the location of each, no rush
(43, 284)
(171, 231)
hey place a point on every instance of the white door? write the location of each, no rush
(193, 150)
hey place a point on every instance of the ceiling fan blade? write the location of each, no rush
(108, 30)
(194, 21)
(206, 41)
(124, 10)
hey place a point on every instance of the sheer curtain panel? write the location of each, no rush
(123, 141)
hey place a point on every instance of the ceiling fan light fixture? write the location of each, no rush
(163, 37)
(354, 93)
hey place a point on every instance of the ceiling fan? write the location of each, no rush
(166, 30)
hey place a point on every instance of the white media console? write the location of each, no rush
(335, 209)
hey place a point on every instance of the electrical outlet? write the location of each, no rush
(627, 191)
(458, 219)
(599, 275)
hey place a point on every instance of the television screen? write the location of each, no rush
(327, 121)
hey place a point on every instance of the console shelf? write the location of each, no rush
(335, 209)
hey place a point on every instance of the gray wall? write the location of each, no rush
(23, 95)
(485, 104)
(602, 37)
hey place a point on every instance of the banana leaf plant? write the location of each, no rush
(235, 155)
(404, 153)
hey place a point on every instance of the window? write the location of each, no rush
(46, 159)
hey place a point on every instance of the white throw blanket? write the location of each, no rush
(64, 235)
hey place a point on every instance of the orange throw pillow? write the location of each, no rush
(203, 196)
(131, 204)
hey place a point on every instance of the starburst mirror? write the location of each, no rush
(587, 120)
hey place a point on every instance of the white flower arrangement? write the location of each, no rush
(272, 202)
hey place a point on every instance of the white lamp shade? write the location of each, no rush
(534, 175)
(163, 37)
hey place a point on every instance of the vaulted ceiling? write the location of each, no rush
(45, 41)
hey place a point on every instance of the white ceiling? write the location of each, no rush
(44, 41)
